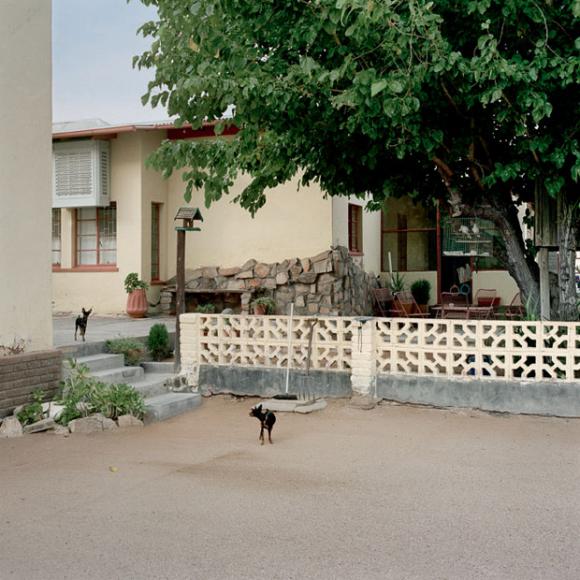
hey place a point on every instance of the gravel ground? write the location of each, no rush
(396, 492)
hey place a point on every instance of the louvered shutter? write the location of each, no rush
(81, 174)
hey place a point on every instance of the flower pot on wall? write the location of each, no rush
(260, 309)
(137, 303)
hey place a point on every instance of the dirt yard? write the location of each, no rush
(396, 492)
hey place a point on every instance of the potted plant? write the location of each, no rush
(207, 308)
(264, 305)
(137, 304)
(421, 291)
(396, 282)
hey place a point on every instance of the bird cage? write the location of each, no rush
(467, 236)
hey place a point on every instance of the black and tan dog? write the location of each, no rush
(267, 420)
(81, 323)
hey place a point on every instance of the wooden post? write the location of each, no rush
(179, 295)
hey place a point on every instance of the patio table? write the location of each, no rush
(460, 311)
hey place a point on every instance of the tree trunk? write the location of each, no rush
(568, 217)
(517, 260)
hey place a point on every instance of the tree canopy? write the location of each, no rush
(472, 102)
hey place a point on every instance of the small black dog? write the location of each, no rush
(81, 323)
(267, 420)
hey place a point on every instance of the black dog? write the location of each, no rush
(267, 420)
(81, 323)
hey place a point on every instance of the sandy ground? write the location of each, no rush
(396, 492)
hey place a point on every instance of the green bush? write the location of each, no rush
(32, 412)
(206, 308)
(121, 399)
(265, 301)
(82, 395)
(396, 282)
(158, 342)
(133, 282)
(421, 291)
(133, 350)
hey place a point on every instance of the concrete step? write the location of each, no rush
(170, 405)
(158, 367)
(120, 375)
(100, 362)
(152, 384)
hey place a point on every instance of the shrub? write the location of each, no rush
(121, 399)
(266, 302)
(132, 282)
(76, 393)
(133, 350)
(396, 282)
(208, 308)
(421, 291)
(158, 342)
(32, 412)
(81, 395)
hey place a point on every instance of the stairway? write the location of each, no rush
(152, 380)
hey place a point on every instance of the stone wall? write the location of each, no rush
(330, 283)
(21, 374)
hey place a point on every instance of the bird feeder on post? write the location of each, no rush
(188, 215)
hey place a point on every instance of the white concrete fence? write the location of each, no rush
(510, 351)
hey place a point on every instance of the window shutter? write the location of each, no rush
(81, 174)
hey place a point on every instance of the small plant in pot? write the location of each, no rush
(396, 282)
(207, 308)
(263, 305)
(137, 304)
(421, 291)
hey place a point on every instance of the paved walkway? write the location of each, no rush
(102, 328)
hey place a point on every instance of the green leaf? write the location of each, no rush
(377, 87)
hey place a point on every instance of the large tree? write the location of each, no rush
(473, 102)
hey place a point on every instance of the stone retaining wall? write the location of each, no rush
(330, 283)
(21, 374)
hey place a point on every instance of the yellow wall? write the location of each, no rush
(371, 231)
(293, 223)
(103, 291)
(25, 173)
(496, 279)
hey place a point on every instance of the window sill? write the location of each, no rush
(85, 269)
(353, 253)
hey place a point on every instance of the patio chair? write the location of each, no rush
(384, 301)
(485, 297)
(407, 307)
(516, 309)
(452, 299)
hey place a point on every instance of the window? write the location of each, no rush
(409, 236)
(96, 236)
(155, 235)
(56, 237)
(355, 228)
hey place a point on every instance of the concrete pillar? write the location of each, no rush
(364, 365)
(25, 175)
(190, 359)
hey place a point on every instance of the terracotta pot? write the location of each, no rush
(260, 309)
(137, 305)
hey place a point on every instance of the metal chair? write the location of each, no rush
(516, 309)
(383, 301)
(452, 299)
(407, 307)
(485, 297)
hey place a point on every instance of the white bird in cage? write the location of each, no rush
(475, 229)
(464, 230)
